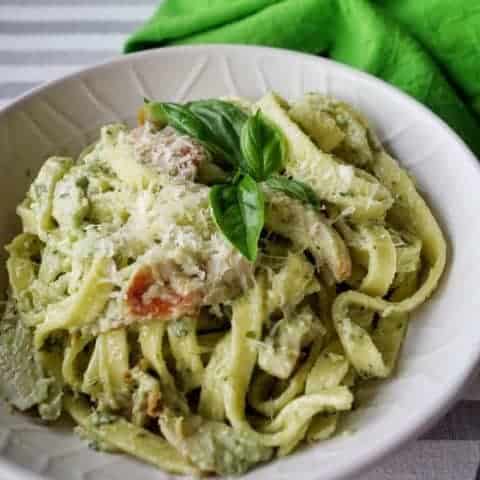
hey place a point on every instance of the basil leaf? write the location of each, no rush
(294, 188)
(225, 122)
(216, 124)
(183, 120)
(263, 147)
(239, 210)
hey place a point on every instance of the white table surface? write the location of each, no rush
(44, 39)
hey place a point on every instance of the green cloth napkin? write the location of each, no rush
(427, 48)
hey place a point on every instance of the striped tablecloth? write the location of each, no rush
(44, 39)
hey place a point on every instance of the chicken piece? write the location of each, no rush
(167, 152)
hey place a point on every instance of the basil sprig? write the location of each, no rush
(252, 149)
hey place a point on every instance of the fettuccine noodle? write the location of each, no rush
(138, 318)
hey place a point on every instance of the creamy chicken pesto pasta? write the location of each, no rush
(210, 289)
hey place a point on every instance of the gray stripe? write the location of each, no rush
(9, 90)
(84, 26)
(76, 2)
(462, 423)
(54, 57)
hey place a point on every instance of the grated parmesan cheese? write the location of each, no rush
(346, 175)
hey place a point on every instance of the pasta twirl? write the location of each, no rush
(209, 289)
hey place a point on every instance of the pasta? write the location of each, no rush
(210, 289)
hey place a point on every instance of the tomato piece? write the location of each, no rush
(155, 307)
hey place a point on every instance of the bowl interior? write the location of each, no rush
(443, 341)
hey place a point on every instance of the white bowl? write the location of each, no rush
(443, 343)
